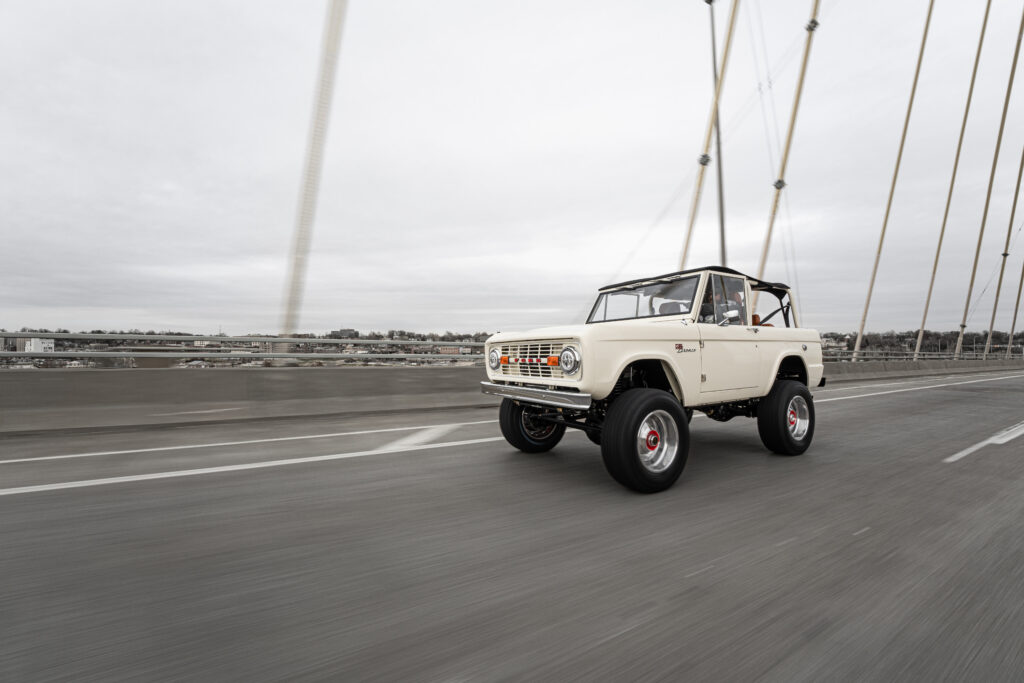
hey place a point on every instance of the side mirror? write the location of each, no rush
(730, 317)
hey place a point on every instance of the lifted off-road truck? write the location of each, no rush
(652, 352)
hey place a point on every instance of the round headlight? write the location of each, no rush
(494, 359)
(569, 360)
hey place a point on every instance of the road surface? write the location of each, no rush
(420, 546)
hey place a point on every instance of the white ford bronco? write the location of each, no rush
(651, 352)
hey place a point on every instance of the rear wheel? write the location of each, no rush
(645, 440)
(523, 428)
(785, 418)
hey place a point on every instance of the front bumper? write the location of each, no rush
(541, 397)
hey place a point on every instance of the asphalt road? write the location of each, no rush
(423, 547)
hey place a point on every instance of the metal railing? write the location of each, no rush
(844, 355)
(257, 348)
(248, 348)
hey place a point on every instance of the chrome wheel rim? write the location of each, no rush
(657, 441)
(798, 417)
(537, 429)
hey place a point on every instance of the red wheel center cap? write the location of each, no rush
(792, 418)
(653, 439)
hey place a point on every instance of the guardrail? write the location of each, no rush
(842, 355)
(234, 348)
(276, 348)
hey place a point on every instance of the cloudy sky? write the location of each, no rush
(488, 164)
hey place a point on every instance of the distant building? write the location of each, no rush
(36, 345)
(448, 350)
(346, 333)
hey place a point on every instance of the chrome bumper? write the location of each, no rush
(541, 397)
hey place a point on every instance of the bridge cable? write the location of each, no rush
(991, 181)
(314, 163)
(1016, 308)
(895, 175)
(781, 183)
(705, 158)
(1006, 252)
(991, 278)
(718, 141)
(733, 123)
(952, 180)
(789, 251)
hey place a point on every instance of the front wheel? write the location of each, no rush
(522, 427)
(645, 440)
(785, 418)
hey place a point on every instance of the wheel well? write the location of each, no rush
(792, 367)
(644, 373)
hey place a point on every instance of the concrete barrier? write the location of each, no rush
(32, 400)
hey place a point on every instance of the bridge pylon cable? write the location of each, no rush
(330, 48)
(781, 183)
(723, 258)
(705, 158)
(952, 181)
(988, 193)
(1016, 309)
(895, 176)
(1006, 252)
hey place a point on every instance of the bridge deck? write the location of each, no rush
(183, 555)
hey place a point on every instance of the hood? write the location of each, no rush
(541, 334)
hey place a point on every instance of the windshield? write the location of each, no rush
(645, 301)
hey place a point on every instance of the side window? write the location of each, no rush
(724, 295)
(735, 299)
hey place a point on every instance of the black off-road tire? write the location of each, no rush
(785, 418)
(632, 415)
(525, 434)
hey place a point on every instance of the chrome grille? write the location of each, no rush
(529, 359)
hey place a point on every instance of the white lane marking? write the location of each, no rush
(420, 437)
(237, 443)
(1005, 436)
(234, 468)
(699, 571)
(930, 386)
(194, 412)
(930, 378)
(858, 533)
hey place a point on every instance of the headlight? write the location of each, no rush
(569, 360)
(494, 359)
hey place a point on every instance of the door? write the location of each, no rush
(730, 358)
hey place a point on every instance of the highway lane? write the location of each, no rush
(868, 557)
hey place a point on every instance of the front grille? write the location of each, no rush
(529, 359)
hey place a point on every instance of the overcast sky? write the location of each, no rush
(489, 164)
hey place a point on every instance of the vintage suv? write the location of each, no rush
(653, 351)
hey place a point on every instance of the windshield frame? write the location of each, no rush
(637, 287)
